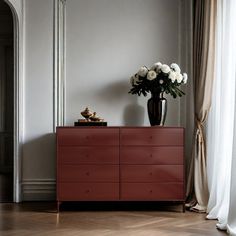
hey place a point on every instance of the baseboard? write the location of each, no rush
(39, 190)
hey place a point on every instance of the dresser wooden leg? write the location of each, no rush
(183, 204)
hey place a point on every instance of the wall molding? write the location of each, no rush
(18, 101)
(39, 189)
(59, 64)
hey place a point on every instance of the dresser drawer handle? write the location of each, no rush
(150, 155)
(150, 137)
(150, 173)
(150, 191)
(87, 155)
(87, 191)
(87, 173)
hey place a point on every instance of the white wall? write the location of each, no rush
(38, 175)
(106, 42)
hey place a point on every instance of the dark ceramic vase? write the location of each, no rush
(157, 108)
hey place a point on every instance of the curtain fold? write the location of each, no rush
(221, 126)
(231, 218)
(203, 75)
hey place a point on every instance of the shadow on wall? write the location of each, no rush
(116, 94)
(39, 157)
(134, 113)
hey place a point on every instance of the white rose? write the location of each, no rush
(161, 81)
(185, 78)
(175, 67)
(172, 76)
(156, 66)
(179, 77)
(143, 71)
(165, 68)
(151, 75)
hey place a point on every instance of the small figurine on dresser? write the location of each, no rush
(91, 119)
(86, 113)
(94, 117)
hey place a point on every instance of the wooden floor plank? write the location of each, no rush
(41, 219)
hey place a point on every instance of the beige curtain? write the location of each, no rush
(203, 75)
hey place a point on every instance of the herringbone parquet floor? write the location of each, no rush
(41, 219)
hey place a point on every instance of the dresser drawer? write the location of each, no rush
(87, 136)
(162, 155)
(151, 173)
(88, 155)
(152, 136)
(88, 191)
(152, 191)
(88, 173)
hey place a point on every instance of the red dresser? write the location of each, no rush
(120, 164)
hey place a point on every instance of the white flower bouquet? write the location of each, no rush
(158, 79)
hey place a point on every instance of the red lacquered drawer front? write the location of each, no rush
(120, 164)
(152, 173)
(88, 173)
(151, 155)
(88, 155)
(152, 136)
(152, 191)
(88, 191)
(87, 136)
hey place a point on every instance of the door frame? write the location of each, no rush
(18, 111)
